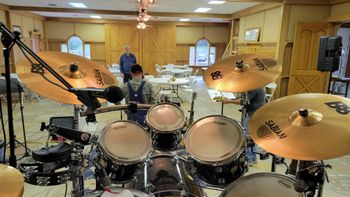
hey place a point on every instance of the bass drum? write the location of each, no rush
(166, 174)
(262, 184)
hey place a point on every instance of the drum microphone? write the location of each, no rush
(300, 185)
(112, 94)
(71, 134)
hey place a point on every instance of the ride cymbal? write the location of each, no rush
(78, 71)
(242, 73)
(307, 127)
(11, 182)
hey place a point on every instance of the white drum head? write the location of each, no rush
(262, 184)
(214, 139)
(125, 142)
(165, 118)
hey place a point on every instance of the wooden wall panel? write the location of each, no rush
(119, 35)
(183, 53)
(304, 75)
(158, 46)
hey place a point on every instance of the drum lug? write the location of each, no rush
(180, 185)
(149, 188)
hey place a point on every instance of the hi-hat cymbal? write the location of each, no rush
(78, 71)
(309, 126)
(11, 182)
(242, 73)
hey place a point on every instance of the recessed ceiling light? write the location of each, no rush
(216, 2)
(77, 5)
(95, 16)
(202, 9)
(184, 19)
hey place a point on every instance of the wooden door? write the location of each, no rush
(158, 46)
(304, 76)
(119, 35)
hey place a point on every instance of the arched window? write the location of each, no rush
(202, 54)
(75, 45)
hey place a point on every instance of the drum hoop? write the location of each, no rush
(124, 161)
(229, 157)
(259, 174)
(156, 130)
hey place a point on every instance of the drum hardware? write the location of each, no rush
(191, 111)
(312, 178)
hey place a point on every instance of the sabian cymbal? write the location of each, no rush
(78, 71)
(309, 126)
(242, 73)
(11, 182)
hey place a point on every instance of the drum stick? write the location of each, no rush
(114, 108)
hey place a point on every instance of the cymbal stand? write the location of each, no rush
(276, 160)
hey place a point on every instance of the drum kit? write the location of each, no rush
(172, 158)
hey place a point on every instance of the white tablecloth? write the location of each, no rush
(178, 81)
(177, 70)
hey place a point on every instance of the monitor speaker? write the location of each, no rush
(329, 53)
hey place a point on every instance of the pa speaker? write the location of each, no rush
(329, 53)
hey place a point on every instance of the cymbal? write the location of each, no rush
(253, 72)
(11, 182)
(78, 71)
(310, 126)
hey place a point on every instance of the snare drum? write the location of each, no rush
(215, 144)
(165, 121)
(123, 147)
(262, 184)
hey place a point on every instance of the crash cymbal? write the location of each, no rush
(11, 182)
(309, 126)
(78, 71)
(242, 73)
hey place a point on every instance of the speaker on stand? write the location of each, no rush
(329, 55)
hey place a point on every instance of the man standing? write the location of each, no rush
(127, 59)
(256, 100)
(138, 91)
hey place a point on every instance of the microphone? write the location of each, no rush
(71, 134)
(299, 185)
(112, 94)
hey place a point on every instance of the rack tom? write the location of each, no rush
(165, 121)
(123, 147)
(215, 144)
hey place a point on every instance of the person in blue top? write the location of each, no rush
(138, 90)
(127, 59)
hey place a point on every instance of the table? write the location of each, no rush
(115, 71)
(177, 71)
(174, 84)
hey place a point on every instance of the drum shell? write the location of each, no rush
(159, 184)
(228, 158)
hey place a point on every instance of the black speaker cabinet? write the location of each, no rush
(329, 53)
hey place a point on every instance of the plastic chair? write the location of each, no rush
(270, 90)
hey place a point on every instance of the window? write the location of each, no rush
(75, 45)
(202, 54)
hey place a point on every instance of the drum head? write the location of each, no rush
(262, 184)
(125, 142)
(165, 118)
(214, 139)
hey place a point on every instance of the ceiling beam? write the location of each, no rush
(109, 21)
(255, 9)
(306, 2)
(333, 2)
(119, 12)
(4, 7)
